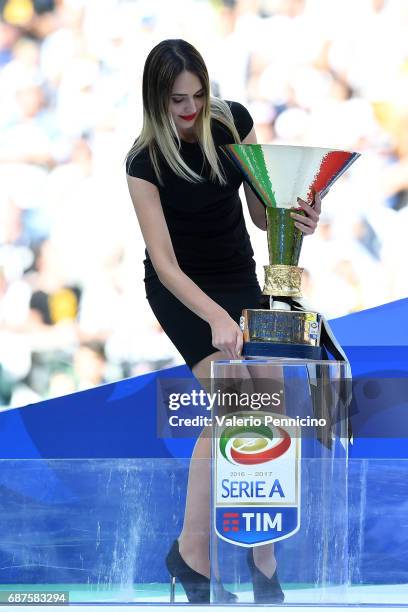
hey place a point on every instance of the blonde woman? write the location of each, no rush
(199, 266)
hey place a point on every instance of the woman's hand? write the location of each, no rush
(307, 223)
(226, 335)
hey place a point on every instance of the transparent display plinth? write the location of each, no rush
(279, 481)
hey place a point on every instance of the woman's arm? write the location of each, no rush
(255, 206)
(226, 334)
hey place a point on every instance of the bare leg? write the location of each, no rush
(194, 537)
(264, 556)
(264, 559)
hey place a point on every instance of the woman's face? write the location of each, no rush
(186, 102)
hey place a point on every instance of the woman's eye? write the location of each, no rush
(178, 100)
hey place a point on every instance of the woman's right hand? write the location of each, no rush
(226, 335)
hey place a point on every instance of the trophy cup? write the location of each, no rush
(278, 174)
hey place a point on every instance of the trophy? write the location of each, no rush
(278, 174)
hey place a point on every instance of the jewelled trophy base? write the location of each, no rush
(281, 333)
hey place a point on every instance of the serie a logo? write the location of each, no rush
(257, 482)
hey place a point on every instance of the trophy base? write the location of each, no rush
(288, 351)
(284, 333)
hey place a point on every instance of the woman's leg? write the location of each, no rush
(265, 381)
(194, 537)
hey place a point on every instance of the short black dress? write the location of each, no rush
(210, 241)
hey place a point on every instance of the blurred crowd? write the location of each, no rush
(320, 72)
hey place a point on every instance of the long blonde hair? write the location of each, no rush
(159, 134)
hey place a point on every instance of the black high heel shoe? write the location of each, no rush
(266, 590)
(196, 586)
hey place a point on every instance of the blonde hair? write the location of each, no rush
(159, 134)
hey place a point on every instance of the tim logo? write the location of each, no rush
(250, 527)
(252, 521)
(230, 521)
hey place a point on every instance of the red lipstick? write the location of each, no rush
(188, 117)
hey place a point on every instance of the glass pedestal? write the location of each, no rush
(279, 482)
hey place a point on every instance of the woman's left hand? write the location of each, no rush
(307, 223)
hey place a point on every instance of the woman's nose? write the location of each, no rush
(190, 107)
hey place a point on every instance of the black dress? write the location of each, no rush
(210, 240)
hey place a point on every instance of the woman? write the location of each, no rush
(199, 267)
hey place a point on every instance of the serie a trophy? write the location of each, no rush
(278, 174)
